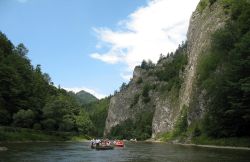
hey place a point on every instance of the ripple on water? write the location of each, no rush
(132, 152)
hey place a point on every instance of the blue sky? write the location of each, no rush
(94, 44)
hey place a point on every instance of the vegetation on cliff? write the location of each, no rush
(173, 66)
(140, 129)
(221, 82)
(161, 79)
(225, 75)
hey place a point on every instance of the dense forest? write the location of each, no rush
(224, 72)
(28, 98)
(98, 112)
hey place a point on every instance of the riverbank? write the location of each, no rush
(200, 145)
(242, 143)
(228, 142)
(12, 134)
(204, 140)
(214, 146)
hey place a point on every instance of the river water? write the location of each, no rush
(132, 152)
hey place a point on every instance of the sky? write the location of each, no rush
(94, 45)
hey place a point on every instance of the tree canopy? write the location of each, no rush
(29, 99)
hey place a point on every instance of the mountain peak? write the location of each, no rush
(84, 97)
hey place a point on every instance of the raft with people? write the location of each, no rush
(101, 144)
(104, 147)
(119, 143)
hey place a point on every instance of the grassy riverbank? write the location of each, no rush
(233, 141)
(204, 140)
(12, 134)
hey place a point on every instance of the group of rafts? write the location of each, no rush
(106, 144)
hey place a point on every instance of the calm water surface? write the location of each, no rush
(133, 152)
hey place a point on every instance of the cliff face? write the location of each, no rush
(165, 105)
(202, 26)
(127, 103)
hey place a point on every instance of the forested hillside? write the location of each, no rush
(224, 73)
(98, 112)
(29, 99)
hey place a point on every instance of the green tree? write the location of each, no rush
(144, 64)
(21, 50)
(49, 124)
(24, 118)
(68, 123)
(83, 123)
(62, 109)
(225, 76)
(98, 112)
(123, 86)
(181, 124)
(5, 117)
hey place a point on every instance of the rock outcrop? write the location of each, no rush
(166, 106)
(202, 26)
(127, 103)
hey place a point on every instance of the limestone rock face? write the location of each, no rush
(202, 26)
(120, 104)
(164, 117)
(164, 107)
(119, 109)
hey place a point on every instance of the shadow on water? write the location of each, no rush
(132, 152)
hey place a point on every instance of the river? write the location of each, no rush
(132, 152)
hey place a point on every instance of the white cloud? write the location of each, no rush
(110, 58)
(91, 91)
(126, 76)
(147, 32)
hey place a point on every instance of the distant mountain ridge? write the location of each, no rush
(84, 97)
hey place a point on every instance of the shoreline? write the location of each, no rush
(199, 145)
(29, 141)
(149, 140)
(215, 146)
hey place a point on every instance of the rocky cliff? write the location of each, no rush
(202, 25)
(162, 92)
